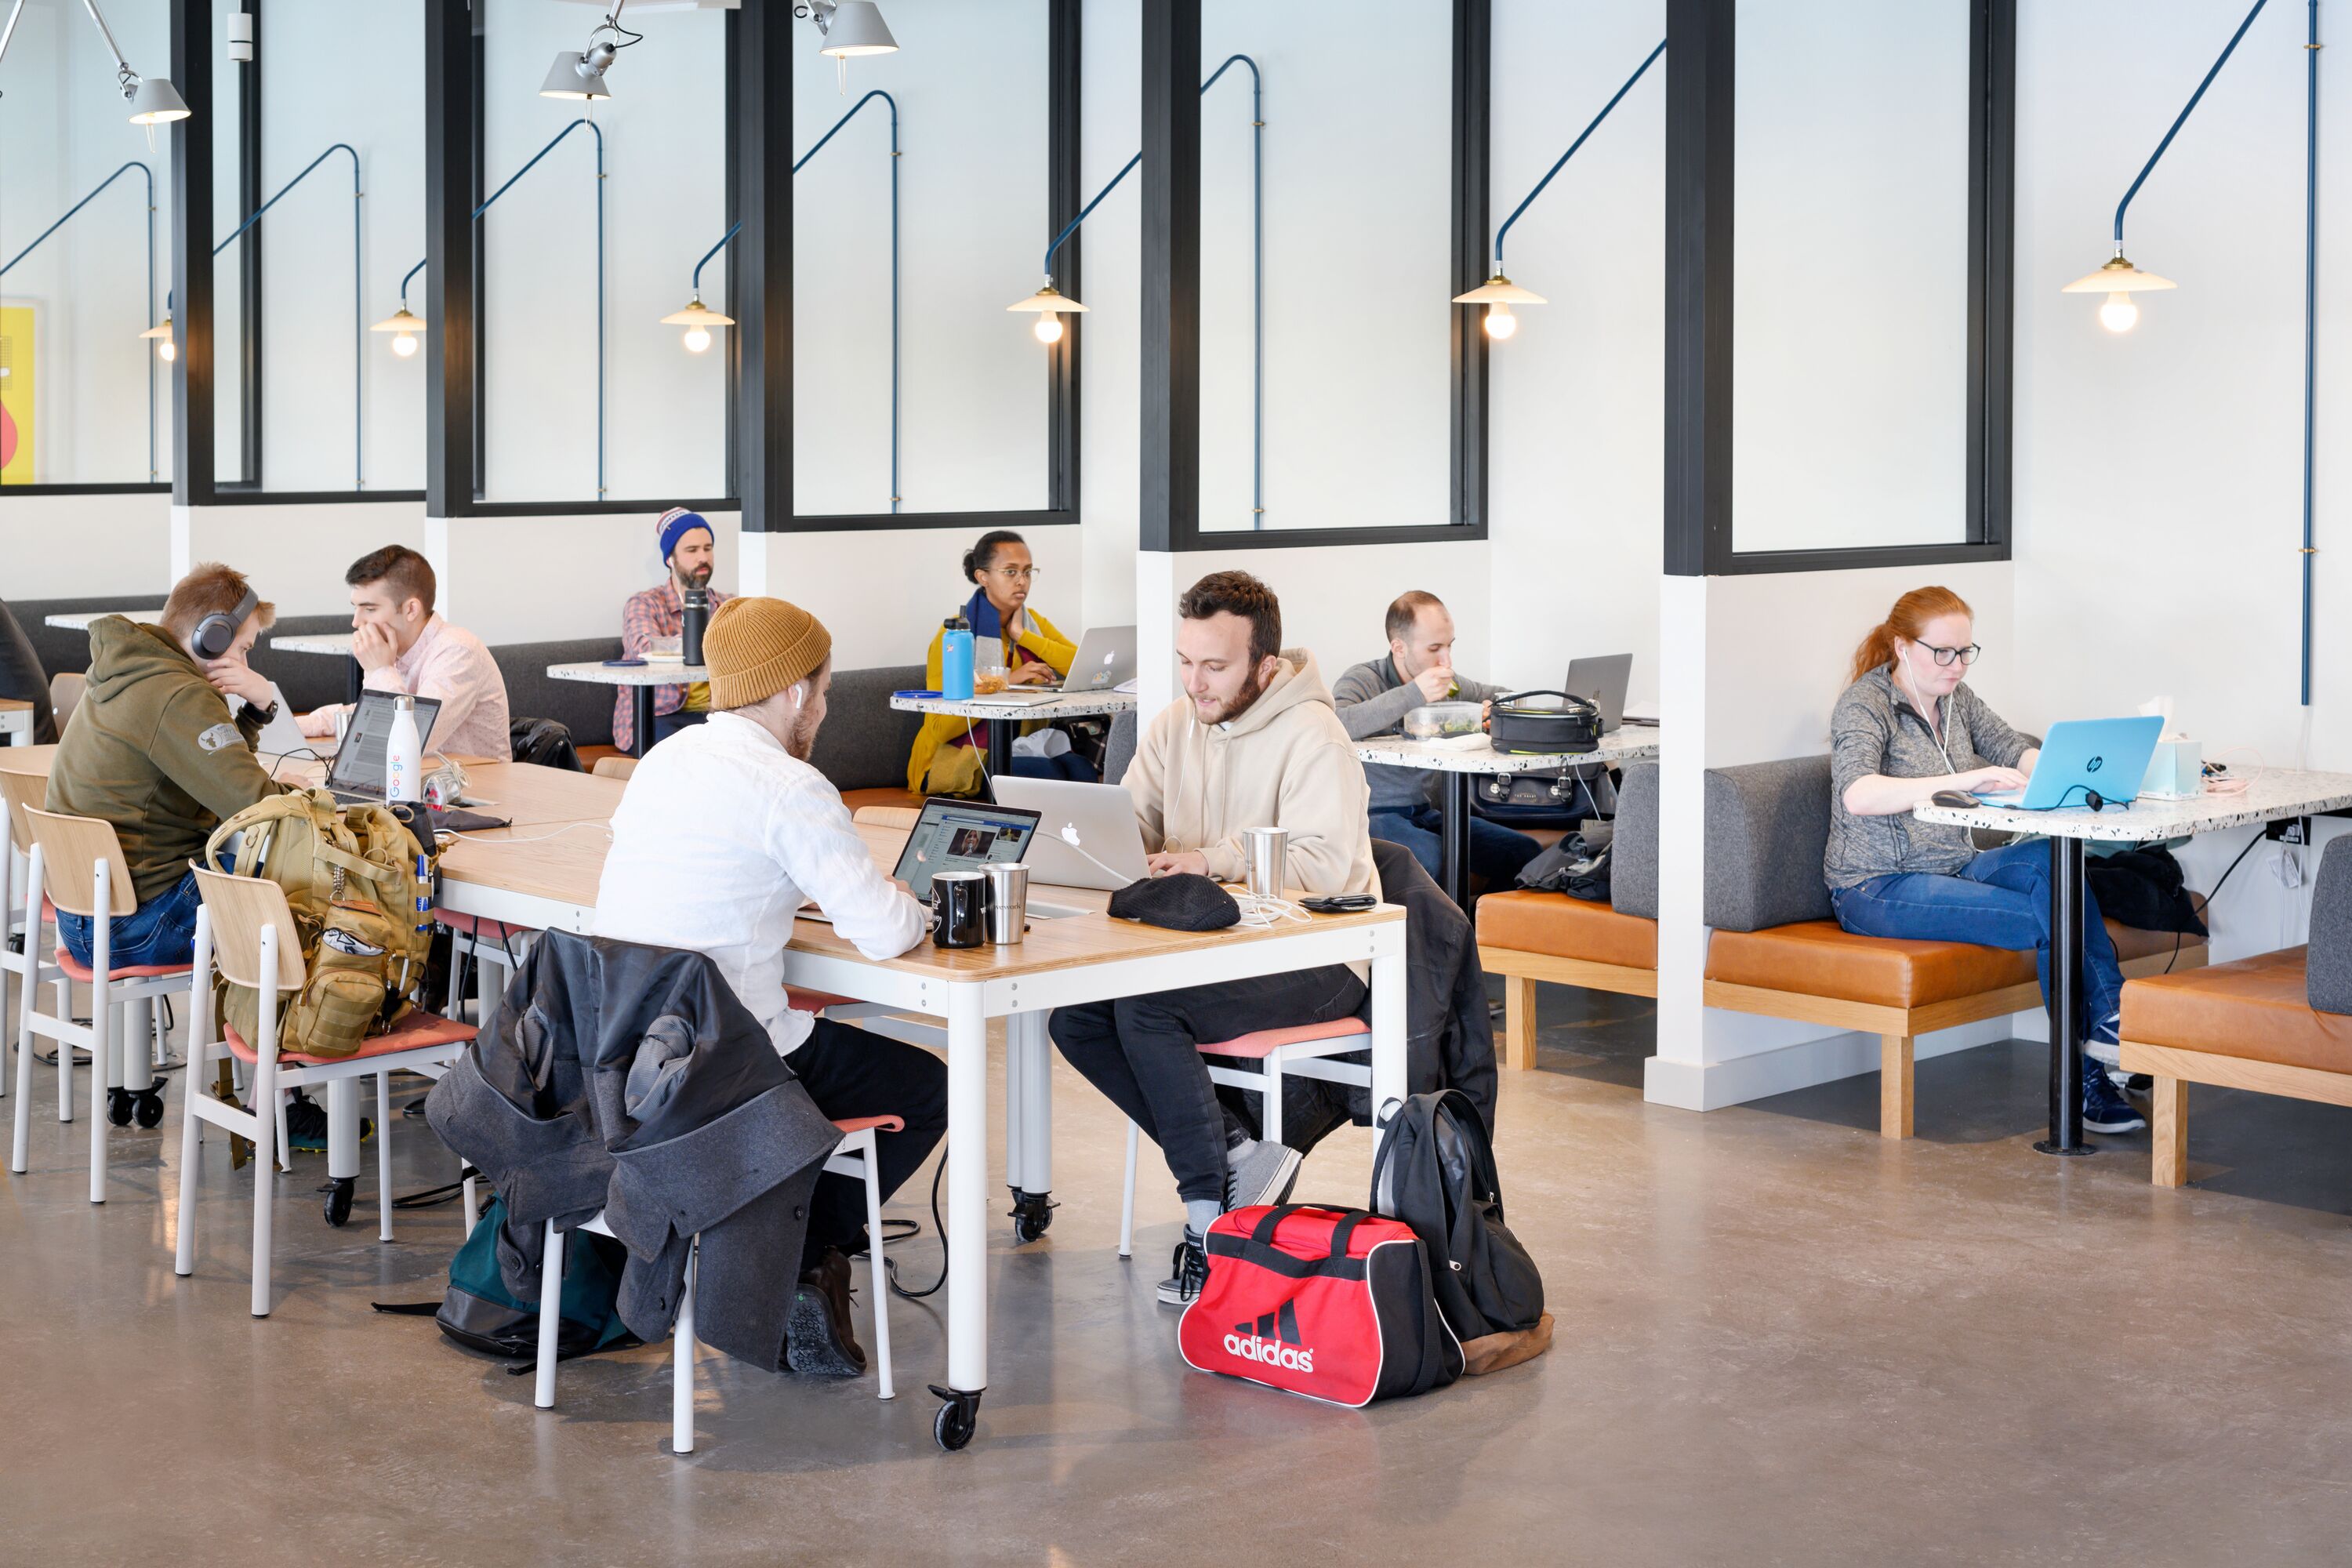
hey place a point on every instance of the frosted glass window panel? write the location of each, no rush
(665, 204)
(973, 91)
(1359, 111)
(1850, 269)
(76, 387)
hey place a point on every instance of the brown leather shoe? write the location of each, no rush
(818, 1340)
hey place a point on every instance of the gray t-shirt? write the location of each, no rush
(1875, 729)
(1371, 700)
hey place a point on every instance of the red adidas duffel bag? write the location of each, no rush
(1331, 1303)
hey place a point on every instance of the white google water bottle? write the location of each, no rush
(404, 754)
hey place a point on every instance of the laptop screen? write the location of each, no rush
(961, 835)
(359, 765)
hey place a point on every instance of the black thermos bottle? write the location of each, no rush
(695, 616)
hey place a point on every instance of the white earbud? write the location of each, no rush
(800, 694)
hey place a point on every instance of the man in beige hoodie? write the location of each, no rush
(1254, 743)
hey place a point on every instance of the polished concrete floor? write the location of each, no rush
(1780, 1339)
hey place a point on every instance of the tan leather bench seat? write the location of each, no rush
(857, 798)
(2254, 1008)
(1563, 927)
(1820, 957)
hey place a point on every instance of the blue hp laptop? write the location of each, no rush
(2082, 755)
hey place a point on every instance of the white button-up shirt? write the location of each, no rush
(720, 836)
(449, 664)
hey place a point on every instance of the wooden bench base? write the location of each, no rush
(1522, 969)
(2175, 1069)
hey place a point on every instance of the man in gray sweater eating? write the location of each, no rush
(1373, 698)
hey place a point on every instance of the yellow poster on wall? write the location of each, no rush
(15, 394)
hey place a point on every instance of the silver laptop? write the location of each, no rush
(281, 736)
(1104, 661)
(1602, 681)
(955, 835)
(1099, 817)
(356, 774)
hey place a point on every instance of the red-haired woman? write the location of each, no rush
(1908, 726)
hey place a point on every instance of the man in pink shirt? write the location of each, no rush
(404, 647)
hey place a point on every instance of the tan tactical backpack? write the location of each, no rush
(361, 891)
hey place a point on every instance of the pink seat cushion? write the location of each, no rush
(471, 925)
(805, 1001)
(1262, 1043)
(417, 1032)
(76, 968)
(879, 1123)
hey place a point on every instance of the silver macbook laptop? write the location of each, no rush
(357, 772)
(1098, 819)
(1603, 682)
(1104, 661)
(281, 736)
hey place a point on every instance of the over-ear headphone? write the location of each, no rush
(216, 632)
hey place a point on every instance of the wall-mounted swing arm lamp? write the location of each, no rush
(850, 28)
(153, 99)
(580, 74)
(1498, 293)
(2118, 279)
(698, 318)
(164, 333)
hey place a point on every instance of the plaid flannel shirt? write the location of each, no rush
(657, 612)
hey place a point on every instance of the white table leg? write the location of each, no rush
(1016, 1081)
(1389, 1081)
(967, 1190)
(1037, 1105)
(343, 1129)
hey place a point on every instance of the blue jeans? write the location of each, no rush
(1497, 852)
(2002, 898)
(668, 724)
(160, 932)
(1068, 765)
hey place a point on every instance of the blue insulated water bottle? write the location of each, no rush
(955, 660)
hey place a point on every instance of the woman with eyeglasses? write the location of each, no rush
(1909, 727)
(950, 753)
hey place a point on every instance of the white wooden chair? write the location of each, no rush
(79, 862)
(246, 930)
(852, 1156)
(24, 912)
(1302, 1050)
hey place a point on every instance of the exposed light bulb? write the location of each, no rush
(404, 344)
(2118, 314)
(1500, 323)
(1048, 328)
(166, 349)
(696, 338)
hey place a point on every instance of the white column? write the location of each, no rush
(1155, 632)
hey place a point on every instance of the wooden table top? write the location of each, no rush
(528, 795)
(27, 759)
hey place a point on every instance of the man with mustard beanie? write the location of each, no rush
(724, 832)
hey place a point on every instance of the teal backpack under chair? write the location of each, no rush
(478, 1312)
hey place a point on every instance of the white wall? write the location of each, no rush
(70, 547)
(296, 555)
(63, 128)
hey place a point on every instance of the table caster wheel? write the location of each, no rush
(119, 1107)
(339, 1200)
(956, 1420)
(149, 1109)
(1033, 1216)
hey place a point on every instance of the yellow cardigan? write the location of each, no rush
(959, 772)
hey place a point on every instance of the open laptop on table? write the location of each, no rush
(1603, 682)
(356, 776)
(1104, 661)
(961, 835)
(2084, 756)
(1098, 819)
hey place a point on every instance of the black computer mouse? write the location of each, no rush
(1958, 799)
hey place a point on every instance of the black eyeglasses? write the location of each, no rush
(1944, 656)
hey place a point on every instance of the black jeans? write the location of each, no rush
(850, 1073)
(1141, 1052)
(668, 724)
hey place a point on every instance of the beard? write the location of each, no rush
(1239, 702)
(699, 577)
(802, 738)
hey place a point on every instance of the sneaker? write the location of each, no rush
(818, 1341)
(306, 1126)
(1257, 1172)
(1188, 1271)
(2103, 1046)
(2104, 1110)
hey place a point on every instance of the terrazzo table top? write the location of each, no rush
(319, 642)
(1076, 705)
(1477, 754)
(630, 674)
(2276, 793)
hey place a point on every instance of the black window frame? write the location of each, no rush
(1170, 512)
(1702, 71)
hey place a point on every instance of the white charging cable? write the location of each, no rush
(448, 833)
(1263, 912)
(1069, 835)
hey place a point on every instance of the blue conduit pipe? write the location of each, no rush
(359, 316)
(2227, 50)
(2310, 312)
(152, 472)
(726, 239)
(1257, 266)
(1564, 157)
(502, 190)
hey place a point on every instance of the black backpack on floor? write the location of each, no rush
(1435, 1172)
(480, 1313)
